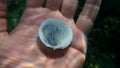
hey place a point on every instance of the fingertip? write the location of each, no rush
(3, 5)
(34, 3)
(85, 44)
(3, 1)
(69, 8)
(88, 15)
(54, 4)
(79, 41)
(94, 2)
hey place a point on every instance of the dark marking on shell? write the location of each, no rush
(50, 33)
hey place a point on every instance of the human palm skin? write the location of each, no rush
(22, 48)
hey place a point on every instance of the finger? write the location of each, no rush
(69, 8)
(34, 3)
(85, 20)
(54, 4)
(79, 41)
(3, 21)
(3, 1)
(3, 14)
(3, 5)
(3, 8)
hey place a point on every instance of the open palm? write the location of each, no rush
(23, 49)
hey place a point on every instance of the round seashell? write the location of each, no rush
(55, 33)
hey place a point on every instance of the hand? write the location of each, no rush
(23, 49)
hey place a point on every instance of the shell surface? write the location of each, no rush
(55, 33)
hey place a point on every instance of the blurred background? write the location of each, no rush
(103, 39)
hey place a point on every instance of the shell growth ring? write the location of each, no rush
(55, 33)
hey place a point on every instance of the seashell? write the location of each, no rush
(55, 33)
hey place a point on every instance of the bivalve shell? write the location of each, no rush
(55, 33)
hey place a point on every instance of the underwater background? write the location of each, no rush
(103, 39)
